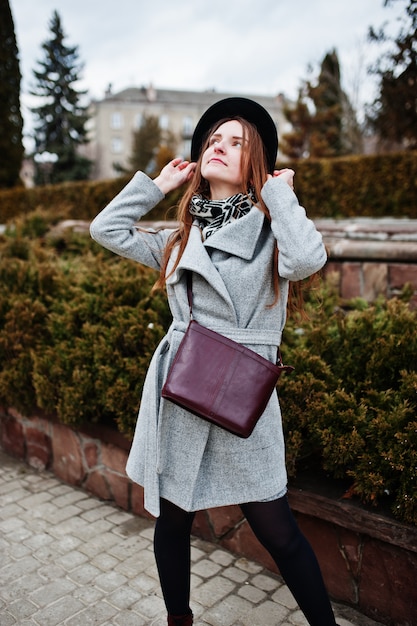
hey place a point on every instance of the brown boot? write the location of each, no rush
(180, 620)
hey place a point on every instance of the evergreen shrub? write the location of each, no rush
(358, 186)
(73, 200)
(78, 327)
(351, 404)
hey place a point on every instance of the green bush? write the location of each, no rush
(366, 186)
(352, 403)
(78, 327)
(76, 200)
(76, 332)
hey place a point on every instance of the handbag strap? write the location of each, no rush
(190, 292)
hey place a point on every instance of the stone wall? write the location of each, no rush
(372, 257)
(368, 561)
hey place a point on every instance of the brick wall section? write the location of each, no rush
(367, 561)
(371, 257)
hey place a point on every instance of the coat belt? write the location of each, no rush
(247, 336)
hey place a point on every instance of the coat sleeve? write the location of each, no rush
(115, 226)
(300, 245)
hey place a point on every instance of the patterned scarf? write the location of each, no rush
(213, 214)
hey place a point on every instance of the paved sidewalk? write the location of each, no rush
(68, 558)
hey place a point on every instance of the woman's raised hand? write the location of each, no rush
(174, 174)
(285, 174)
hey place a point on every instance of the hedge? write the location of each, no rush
(78, 326)
(77, 200)
(368, 186)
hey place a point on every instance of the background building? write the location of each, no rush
(115, 118)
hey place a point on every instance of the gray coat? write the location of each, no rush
(175, 454)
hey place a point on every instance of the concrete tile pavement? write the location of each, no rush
(68, 558)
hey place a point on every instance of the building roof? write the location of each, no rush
(174, 96)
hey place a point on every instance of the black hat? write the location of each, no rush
(238, 107)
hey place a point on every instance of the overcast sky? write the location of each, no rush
(253, 47)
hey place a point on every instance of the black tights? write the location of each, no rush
(275, 528)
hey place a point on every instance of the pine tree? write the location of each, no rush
(61, 119)
(326, 135)
(145, 144)
(152, 147)
(393, 114)
(296, 143)
(324, 123)
(11, 122)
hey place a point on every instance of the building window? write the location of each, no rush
(116, 145)
(187, 126)
(164, 122)
(137, 122)
(187, 147)
(116, 120)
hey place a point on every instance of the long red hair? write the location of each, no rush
(254, 174)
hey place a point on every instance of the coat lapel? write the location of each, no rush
(196, 258)
(238, 238)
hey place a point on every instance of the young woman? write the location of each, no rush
(244, 237)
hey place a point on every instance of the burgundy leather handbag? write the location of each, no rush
(220, 380)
